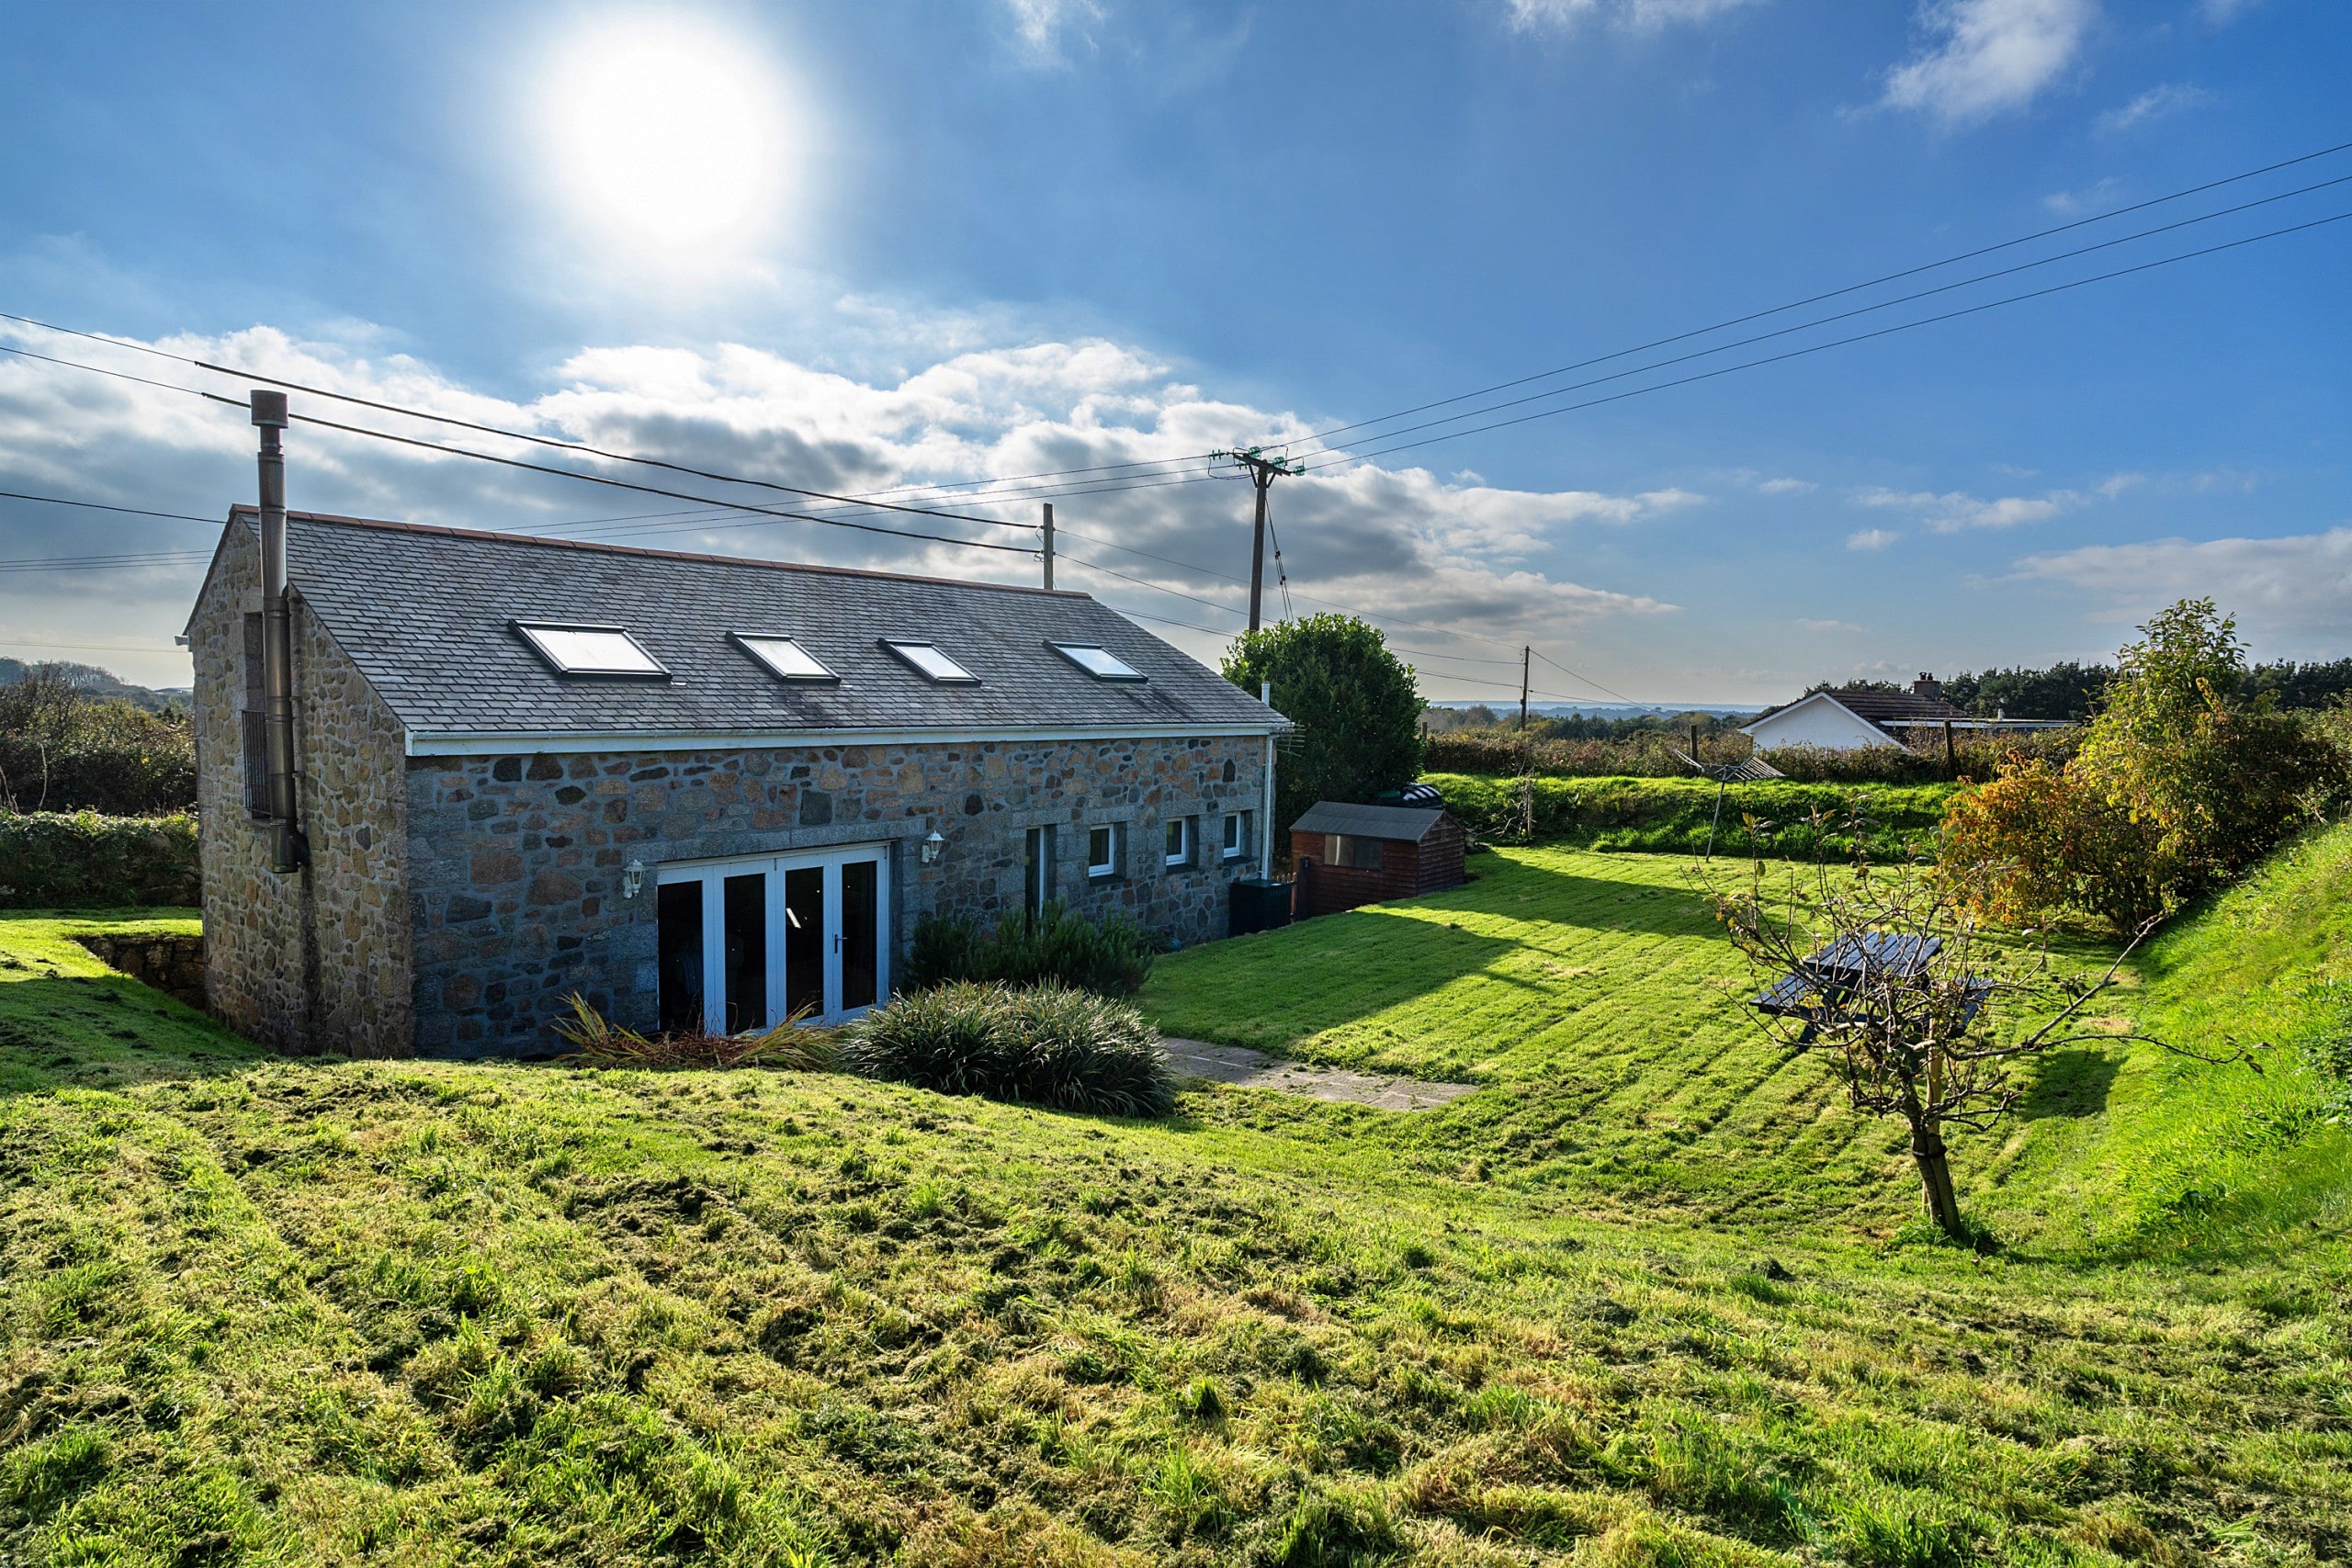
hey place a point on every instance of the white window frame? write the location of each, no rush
(1040, 842)
(757, 644)
(713, 874)
(1097, 662)
(533, 633)
(1237, 835)
(1105, 869)
(1186, 833)
(910, 652)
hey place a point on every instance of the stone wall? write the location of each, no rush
(167, 961)
(515, 863)
(319, 960)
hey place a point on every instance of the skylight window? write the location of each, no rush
(783, 657)
(589, 651)
(1098, 662)
(933, 665)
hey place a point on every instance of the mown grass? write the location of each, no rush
(1635, 1302)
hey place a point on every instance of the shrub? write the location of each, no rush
(2035, 840)
(1112, 957)
(1045, 1045)
(599, 1042)
(1674, 816)
(1652, 754)
(54, 861)
(63, 747)
(2181, 783)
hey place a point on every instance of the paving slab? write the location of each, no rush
(1245, 1069)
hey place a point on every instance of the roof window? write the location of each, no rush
(589, 651)
(929, 663)
(1098, 662)
(783, 657)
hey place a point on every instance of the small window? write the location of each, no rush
(1236, 834)
(783, 657)
(1346, 849)
(1179, 849)
(1098, 662)
(589, 651)
(929, 663)
(1103, 851)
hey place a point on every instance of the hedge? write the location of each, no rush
(1975, 754)
(54, 861)
(1671, 816)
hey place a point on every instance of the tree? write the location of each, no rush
(1891, 969)
(1354, 703)
(2219, 779)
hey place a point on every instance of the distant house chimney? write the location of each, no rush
(1927, 686)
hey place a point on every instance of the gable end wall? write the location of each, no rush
(320, 960)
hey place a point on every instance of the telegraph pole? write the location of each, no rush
(1263, 470)
(1049, 546)
(1523, 653)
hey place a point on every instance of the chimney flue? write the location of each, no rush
(286, 846)
(1927, 686)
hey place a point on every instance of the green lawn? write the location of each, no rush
(1638, 1301)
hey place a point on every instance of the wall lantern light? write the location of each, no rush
(932, 846)
(632, 878)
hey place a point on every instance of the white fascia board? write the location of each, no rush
(512, 743)
(1798, 706)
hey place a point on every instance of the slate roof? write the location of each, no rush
(1405, 822)
(1880, 707)
(427, 613)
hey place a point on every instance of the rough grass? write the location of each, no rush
(320, 1311)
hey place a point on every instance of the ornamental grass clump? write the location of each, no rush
(1046, 1044)
(1110, 957)
(597, 1041)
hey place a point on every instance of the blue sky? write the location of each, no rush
(853, 247)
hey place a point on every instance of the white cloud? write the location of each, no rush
(2170, 98)
(1988, 57)
(2292, 595)
(1633, 15)
(1787, 486)
(2107, 193)
(1871, 540)
(1829, 625)
(2222, 13)
(1954, 511)
(1041, 26)
(1402, 544)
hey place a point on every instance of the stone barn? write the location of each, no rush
(701, 791)
(1352, 855)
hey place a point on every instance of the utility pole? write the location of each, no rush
(1049, 546)
(1524, 652)
(1263, 470)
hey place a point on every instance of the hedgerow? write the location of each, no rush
(78, 860)
(1674, 816)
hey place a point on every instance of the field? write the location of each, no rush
(1650, 1296)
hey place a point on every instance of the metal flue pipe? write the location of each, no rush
(286, 846)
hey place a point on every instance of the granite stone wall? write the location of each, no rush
(517, 864)
(319, 960)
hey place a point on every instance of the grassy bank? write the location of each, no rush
(1640, 1300)
(1677, 815)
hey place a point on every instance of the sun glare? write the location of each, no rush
(671, 138)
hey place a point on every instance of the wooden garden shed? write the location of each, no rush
(1349, 855)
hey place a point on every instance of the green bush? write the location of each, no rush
(66, 747)
(1043, 1046)
(1653, 754)
(1672, 816)
(1110, 958)
(55, 861)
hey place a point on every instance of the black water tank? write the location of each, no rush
(1259, 904)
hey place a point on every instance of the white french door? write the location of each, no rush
(746, 943)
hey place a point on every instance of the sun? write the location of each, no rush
(669, 137)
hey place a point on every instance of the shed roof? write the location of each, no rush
(1881, 707)
(1410, 823)
(428, 614)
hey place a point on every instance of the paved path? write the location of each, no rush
(1245, 1069)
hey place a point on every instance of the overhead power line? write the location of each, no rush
(1897, 277)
